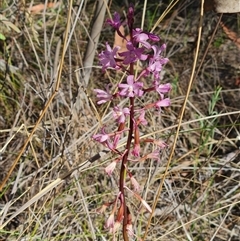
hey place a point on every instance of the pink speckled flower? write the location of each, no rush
(132, 88)
(133, 54)
(110, 168)
(120, 113)
(107, 57)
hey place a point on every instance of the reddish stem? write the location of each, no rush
(124, 163)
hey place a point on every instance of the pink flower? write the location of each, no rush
(120, 114)
(133, 54)
(110, 221)
(162, 103)
(157, 61)
(153, 155)
(103, 96)
(163, 88)
(141, 119)
(136, 150)
(110, 168)
(130, 15)
(160, 144)
(117, 136)
(140, 37)
(132, 88)
(102, 138)
(115, 22)
(107, 57)
(116, 140)
(153, 37)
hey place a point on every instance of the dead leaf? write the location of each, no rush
(119, 41)
(231, 34)
(40, 7)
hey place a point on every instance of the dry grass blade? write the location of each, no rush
(47, 104)
(33, 200)
(170, 6)
(179, 121)
(200, 217)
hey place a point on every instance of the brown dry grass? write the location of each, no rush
(200, 195)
